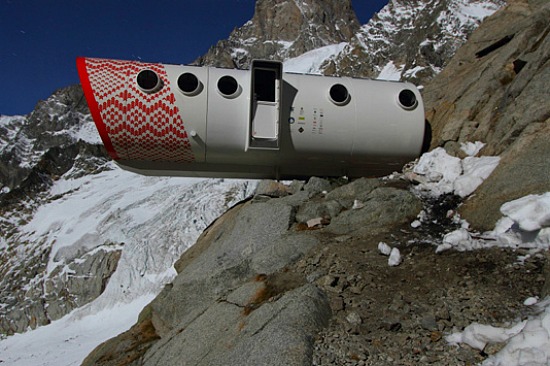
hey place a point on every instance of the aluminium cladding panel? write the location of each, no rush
(189, 84)
(386, 131)
(317, 130)
(227, 117)
(228, 121)
(134, 107)
(200, 170)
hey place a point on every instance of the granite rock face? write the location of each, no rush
(47, 128)
(411, 38)
(50, 297)
(495, 90)
(237, 300)
(284, 29)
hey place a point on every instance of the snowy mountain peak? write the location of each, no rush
(410, 40)
(284, 29)
(61, 120)
(406, 40)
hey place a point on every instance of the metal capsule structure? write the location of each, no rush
(176, 120)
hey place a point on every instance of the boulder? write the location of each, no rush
(359, 189)
(271, 188)
(276, 333)
(317, 185)
(320, 209)
(232, 302)
(384, 206)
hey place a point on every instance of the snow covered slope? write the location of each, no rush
(74, 226)
(147, 221)
(81, 236)
(150, 221)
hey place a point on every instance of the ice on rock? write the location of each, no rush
(395, 257)
(384, 248)
(479, 335)
(530, 212)
(439, 173)
(471, 148)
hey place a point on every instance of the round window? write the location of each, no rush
(149, 81)
(189, 84)
(407, 99)
(339, 94)
(228, 86)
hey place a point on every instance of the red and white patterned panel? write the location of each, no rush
(140, 126)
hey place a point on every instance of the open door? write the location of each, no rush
(265, 111)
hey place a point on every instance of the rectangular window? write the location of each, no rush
(265, 85)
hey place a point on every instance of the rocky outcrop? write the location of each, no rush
(494, 90)
(284, 29)
(412, 38)
(237, 299)
(44, 298)
(40, 148)
(51, 125)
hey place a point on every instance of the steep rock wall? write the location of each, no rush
(495, 90)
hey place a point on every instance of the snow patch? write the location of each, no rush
(440, 173)
(395, 258)
(472, 148)
(311, 62)
(391, 72)
(525, 224)
(478, 335)
(527, 342)
(531, 213)
(69, 340)
(384, 248)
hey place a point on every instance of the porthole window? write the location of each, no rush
(407, 99)
(149, 81)
(339, 95)
(229, 87)
(189, 84)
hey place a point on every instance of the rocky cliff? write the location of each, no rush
(294, 276)
(283, 29)
(410, 40)
(58, 138)
(494, 90)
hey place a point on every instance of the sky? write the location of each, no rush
(40, 39)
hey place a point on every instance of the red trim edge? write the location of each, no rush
(94, 108)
